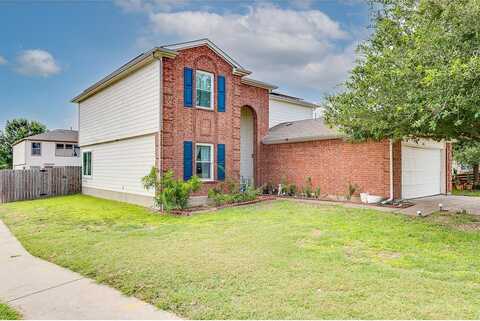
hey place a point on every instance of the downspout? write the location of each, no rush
(391, 170)
(160, 118)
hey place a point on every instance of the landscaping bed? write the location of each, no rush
(270, 260)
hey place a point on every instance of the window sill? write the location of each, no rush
(205, 108)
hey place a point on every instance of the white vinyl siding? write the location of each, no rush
(23, 158)
(128, 108)
(280, 112)
(120, 166)
(19, 155)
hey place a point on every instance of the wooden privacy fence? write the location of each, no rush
(17, 185)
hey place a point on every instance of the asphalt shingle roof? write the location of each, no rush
(300, 131)
(56, 135)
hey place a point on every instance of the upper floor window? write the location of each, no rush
(204, 88)
(67, 150)
(36, 149)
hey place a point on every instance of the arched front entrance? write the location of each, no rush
(247, 146)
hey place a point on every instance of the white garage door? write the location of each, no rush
(421, 172)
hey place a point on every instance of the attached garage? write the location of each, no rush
(296, 151)
(423, 169)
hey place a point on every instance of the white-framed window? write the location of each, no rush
(36, 149)
(204, 89)
(87, 164)
(204, 161)
(66, 150)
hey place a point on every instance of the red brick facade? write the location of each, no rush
(332, 165)
(204, 126)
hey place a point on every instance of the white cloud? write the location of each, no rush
(304, 51)
(37, 62)
(148, 5)
(3, 61)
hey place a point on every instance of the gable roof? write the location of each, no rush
(56, 135)
(291, 99)
(300, 131)
(169, 51)
(206, 42)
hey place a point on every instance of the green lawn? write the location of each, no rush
(466, 193)
(276, 260)
(7, 313)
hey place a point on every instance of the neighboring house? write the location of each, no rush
(54, 148)
(192, 109)
(285, 108)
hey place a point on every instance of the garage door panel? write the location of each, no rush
(421, 172)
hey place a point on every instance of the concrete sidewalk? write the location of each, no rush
(42, 290)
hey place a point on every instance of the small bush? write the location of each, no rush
(351, 189)
(170, 193)
(220, 198)
(292, 190)
(308, 189)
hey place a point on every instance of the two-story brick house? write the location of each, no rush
(193, 109)
(186, 107)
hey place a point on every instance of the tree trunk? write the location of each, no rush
(475, 173)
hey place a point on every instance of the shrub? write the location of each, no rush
(308, 189)
(351, 189)
(220, 198)
(169, 192)
(292, 190)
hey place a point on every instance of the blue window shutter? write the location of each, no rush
(187, 87)
(221, 93)
(187, 160)
(221, 162)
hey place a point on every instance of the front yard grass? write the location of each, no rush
(7, 313)
(466, 192)
(275, 260)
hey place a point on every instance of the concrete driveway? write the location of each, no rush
(451, 203)
(41, 290)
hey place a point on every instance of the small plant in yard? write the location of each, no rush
(219, 196)
(351, 189)
(318, 192)
(170, 193)
(308, 189)
(292, 190)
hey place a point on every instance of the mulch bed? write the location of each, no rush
(203, 209)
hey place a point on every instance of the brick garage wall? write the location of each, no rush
(397, 170)
(204, 126)
(332, 165)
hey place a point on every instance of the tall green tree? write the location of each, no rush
(418, 75)
(15, 130)
(468, 153)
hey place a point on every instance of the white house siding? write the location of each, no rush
(127, 108)
(19, 156)
(282, 111)
(119, 167)
(47, 157)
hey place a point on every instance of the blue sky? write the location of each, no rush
(51, 51)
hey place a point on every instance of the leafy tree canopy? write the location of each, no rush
(15, 130)
(418, 75)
